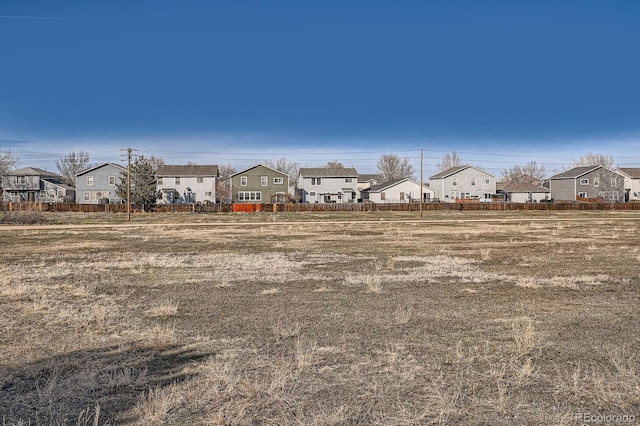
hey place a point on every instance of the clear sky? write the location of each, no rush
(213, 82)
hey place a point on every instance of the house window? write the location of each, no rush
(316, 181)
(454, 181)
(582, 194)
(264, 181)
(584, 181)
(402, 196)
(614, 181)
(473, 181)
(348, 180)
(112, 180)
(89, 180)
(199, 179)
(486, 181)
(208, 194)
(160, 181)
(243, 181)
(278, 181)
(383, 196)
(249, 196)
(312, 194)
(177, 181)
(22, 180)
(596, 181)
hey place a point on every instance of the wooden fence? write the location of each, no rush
(319, 207)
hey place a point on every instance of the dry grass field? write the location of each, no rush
(316, 319)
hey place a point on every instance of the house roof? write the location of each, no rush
(328, 172)
(369, 177)
(454, 170)
(31, 171)
(386, 185)
(518, 186)
(576, 172)
(187, 170)
(259, 165)
(118, 166)
(632, 172)
(57, 181)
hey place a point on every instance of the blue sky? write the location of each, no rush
(212, 82)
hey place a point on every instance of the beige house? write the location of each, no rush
(260, 184)
(631, 182)
(516, 191)
(463, 182)
(403, 190)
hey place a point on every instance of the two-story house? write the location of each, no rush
(180, 184)
(588, 183)
(328, 185)
(631, 182)
(463, 182)
(98, 184)
(260, 184)
(34, 184)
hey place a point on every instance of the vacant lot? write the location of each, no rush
(475, 318)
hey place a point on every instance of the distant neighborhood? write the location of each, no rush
(334, 183)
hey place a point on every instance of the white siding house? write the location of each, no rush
(402, 190)
(466, 182)
(631, 182)
(325, 185)
(180, 184)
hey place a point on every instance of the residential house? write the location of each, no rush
(328, 185)
(34, 184)
(180, 184)
(631, 182)
(260, 184)
(463, 182)
(516, 191)
(98, 184)
(367, 181)
(403, 190)
(588, 182)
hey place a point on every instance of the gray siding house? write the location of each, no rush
(34, 184)
(98, 184)
(588, 182)
(260, 184)
(463, 182)
(325, 185)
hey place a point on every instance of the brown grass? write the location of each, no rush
(461, 318)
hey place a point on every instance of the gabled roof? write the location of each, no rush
(118, 166)
(575, 173)
(259, 165)
(58, 182)
(327, 172)
(454, 170)
(369, 177)
(391, 183)
(187, 170)
(518, 186)
(31, 171)
(632, 172)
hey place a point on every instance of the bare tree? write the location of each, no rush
(610, 186)
(283, 165)
(390, 167)
(155, 162)
(8, 161)
(592, 159)
(334, 164)
(223, 183)
(69, 165)
(531, 173)
(449, 160)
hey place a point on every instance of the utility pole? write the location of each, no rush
(129, 155)
(421, 195)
